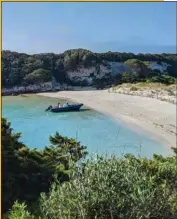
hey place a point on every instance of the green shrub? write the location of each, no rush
(38, 76)
(129, 188)
(127, 77)
(166, 79)
(97, 188)
(26, 173)
(133, 88)
(138, 67)
(19, 211)
(169, 79)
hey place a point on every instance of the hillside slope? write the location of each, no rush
(82, 67)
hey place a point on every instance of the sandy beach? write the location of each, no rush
(142, 114)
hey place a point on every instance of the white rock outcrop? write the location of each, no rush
(113, 68)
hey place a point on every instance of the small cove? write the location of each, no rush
(96, 131)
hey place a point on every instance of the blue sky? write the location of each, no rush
(100, 27)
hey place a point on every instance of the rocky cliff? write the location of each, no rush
(109, 68)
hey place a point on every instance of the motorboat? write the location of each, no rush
(66, 108)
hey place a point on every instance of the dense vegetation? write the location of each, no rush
(99, 187)
(20, 68)
(38, 76)
(27, 173)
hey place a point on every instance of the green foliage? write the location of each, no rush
(67, 149)
(103, 82)
(19, 212)
(127, 188)
(10, 161)
(59, 71)
(100, 187)
(17, 66)
(166, 79)
(133, 88)
(71, 62)
(38, 76)
(79, 82)
(140, 72)
(129, 77)
(27, 173)
(138, 68)
(137, 71)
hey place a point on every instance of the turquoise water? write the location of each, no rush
(98, 132)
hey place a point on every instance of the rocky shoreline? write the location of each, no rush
(167, 95)
(45, 87)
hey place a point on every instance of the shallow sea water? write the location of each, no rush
(98, 132)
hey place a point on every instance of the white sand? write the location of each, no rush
(142, 114)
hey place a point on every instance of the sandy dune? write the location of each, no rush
(143, 114)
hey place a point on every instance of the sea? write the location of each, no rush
(98, 132)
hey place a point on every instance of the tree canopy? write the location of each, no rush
(38, 76)
(28, 172)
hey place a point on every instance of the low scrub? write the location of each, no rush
(165, 79)
(128, 188)
(133, 88)
(113, 188)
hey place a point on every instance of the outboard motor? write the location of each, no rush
(49, 108)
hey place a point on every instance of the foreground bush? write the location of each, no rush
(128, 188)
(104, 188)
(19, 212)
(28, 172)
(98, 188)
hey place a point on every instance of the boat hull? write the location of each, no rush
(73, 107)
